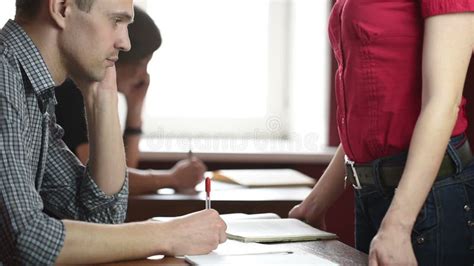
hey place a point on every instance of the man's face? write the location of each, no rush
(91, 41)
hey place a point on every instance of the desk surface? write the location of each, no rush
(232, 199)
(226, 198)
(332, 250)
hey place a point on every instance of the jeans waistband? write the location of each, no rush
(386, 172)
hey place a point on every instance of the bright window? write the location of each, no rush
(244, 69)
(239, 68)
(7, 11)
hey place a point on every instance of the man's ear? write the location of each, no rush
(57, 10)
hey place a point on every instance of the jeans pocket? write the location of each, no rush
(470, 191)
(469, 211)
(424, 230)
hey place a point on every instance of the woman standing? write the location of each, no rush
(401, 121)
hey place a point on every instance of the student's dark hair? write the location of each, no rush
(145, 37)
(30, 8)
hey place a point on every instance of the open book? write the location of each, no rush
(267, 228)
(263, 177)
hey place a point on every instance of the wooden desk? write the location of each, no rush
(332, 250)
(226, 198)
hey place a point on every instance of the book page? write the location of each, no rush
(228, 217)
(234, 248)
(243, 216)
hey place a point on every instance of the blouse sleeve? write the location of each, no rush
(438, 7)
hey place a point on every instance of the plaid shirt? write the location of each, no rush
(41, 181)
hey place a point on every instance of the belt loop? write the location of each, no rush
(452, 153)
(376, 176)
(350, 167)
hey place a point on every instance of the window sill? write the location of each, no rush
(235, 150)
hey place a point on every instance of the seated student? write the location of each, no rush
(132, 81)
(53, 209)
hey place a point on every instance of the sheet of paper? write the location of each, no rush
(262, 259)
(233, 248)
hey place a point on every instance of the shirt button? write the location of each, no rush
(467, 208)
(420, 240)
(470, 223)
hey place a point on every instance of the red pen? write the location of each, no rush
(208, 193)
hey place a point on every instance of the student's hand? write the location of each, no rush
(186, 174)
(90, 88)
(196, 233)
(135, 96)
(135, 93)
(306, 211)
(391, 247)
(110, 80)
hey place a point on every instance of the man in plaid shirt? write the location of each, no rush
(52, 208)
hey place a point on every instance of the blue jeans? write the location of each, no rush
(443, 233)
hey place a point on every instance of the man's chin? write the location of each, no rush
(86, 80)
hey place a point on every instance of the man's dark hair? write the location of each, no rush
(145, 38)
(30, 8)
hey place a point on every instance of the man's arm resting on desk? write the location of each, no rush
(198, 233)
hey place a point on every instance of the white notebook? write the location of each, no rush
(274, 230)
(266, 228)
(264, 177)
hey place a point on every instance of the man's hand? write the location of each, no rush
(89, 89)
(196, 233)
(391, 247)
(135, 93)
(186, 174)
(307, 212)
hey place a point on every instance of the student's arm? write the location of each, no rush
(135, 97)
(328, 189)
(447, 50)
(186, 174)
(198, 233)
(82, 152)
(107, 157)
(131, 142)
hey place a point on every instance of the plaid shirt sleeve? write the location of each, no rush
(41, 181)
(77, 198)
(27, 235)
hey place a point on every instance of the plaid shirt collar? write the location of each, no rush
(30, 60)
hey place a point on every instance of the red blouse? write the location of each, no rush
(378, 47)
